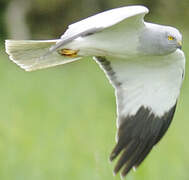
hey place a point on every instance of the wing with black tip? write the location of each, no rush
(147, 90)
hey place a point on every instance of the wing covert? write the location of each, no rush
(106, 19)
(100, 22)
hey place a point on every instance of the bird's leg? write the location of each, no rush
(68, 52)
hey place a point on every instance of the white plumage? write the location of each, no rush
(155, 84)
(143, 61)
(106, 19)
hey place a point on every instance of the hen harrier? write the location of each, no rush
(143, 62)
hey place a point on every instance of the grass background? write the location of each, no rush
(59, 124)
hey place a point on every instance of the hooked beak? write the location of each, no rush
(179, 44)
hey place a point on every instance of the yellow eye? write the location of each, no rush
(170, 38)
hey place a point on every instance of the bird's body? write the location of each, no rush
(143, 62)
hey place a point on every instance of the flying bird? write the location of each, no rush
(143, 62)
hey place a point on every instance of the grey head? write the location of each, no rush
(159, 40)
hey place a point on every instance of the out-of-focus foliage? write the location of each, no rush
(49, 18)
(3, 4)
(54, 17)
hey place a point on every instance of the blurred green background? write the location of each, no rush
(59, 123)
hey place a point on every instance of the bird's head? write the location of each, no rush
(173, 38)
(160, 40)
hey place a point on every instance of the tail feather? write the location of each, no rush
(30, 55)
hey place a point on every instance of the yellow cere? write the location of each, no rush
(170, 38)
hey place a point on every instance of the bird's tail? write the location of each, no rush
(32, 55)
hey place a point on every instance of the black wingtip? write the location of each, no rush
(136, 137)
(112, 156)
(116, 151)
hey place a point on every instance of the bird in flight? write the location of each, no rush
(143, 62)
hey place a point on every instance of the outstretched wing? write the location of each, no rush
(100, 22)
(147, 90)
